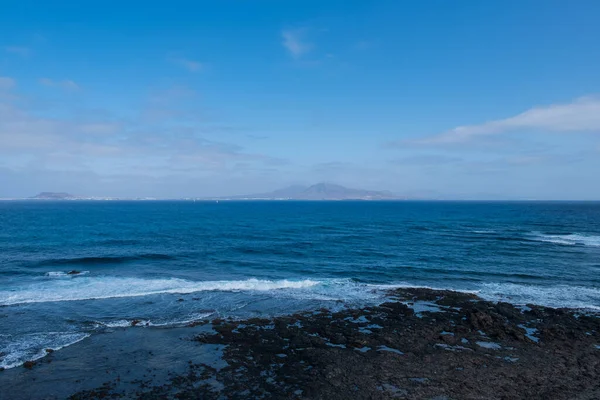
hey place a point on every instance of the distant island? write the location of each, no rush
(68, 196)
(54, 196)
(320, 191)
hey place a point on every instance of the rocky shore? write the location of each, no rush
(421, 344)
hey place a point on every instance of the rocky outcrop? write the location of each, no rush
(422, 344)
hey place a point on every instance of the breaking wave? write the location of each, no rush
(104, 287)
(67, 274)
(572, 239)
(126, 323)
(558, 296)
(34, 346)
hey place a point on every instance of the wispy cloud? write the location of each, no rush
(427, 159)
(18, 50)
(190, 65)
(363, 45)
(294, 41)
(175, 102)
(7, 83)
(171, 95)
(581, 115)
(104, 144)
(65, 84)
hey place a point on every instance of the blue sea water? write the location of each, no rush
(165, 264)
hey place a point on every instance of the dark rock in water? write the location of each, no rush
(29, 364)
(481, 320)
(196, 323)
(448, 339)
(180, 300)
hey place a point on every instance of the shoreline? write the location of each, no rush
(421, 343)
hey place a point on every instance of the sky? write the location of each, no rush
(464, 99)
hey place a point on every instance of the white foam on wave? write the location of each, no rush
(569, 239)
(346, 290)
(179, 322)
(104, 287)
(31, 347)
(560, 296)
(127, 323)
(63, 274)
(123, 323)
(404, 285)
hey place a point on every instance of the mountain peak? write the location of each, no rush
(322, 191)
(325, 186)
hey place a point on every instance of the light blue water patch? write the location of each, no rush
(362, 349)
(419, 307)
(530, 333)
(393, 390)
(391, 350)
(523, 308)
(369, 328)
(360, 320)
(489, 345)
(451, 348)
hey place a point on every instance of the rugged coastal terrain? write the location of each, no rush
(420, 344)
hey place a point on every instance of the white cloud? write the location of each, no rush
(190, 65)
(19, 50)
(66, 84)
(581, 115)
(295, 43)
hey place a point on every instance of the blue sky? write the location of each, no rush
(459, 99)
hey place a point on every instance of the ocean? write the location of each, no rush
(73, 269)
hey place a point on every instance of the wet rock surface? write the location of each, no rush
(421, 344)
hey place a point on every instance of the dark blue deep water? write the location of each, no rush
(168, 263)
